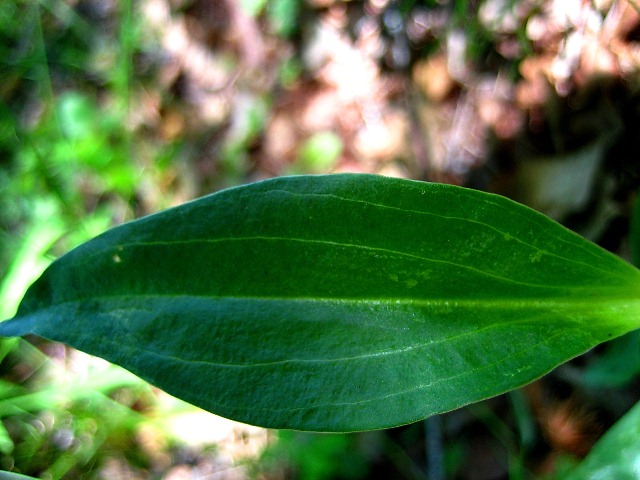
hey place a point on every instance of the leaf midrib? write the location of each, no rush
(532, 303)
(526, 305)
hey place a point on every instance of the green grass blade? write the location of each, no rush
(335, 303)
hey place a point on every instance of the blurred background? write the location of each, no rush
(113, 109)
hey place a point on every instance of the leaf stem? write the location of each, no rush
(435, 455)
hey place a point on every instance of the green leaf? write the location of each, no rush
(634, 234)
(617, 453)
(319, 153)
(335, 303)
(616, 366)
(284, 16)
(14, 476)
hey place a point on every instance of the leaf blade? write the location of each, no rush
(616, 454)
(335, 303)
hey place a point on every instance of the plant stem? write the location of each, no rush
(435, 463)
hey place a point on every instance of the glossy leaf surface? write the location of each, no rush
(335, 303)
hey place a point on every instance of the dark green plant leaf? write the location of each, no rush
(335, 303)
(616, 366)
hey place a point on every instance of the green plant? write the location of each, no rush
(335, 303)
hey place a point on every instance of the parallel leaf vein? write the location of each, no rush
(364, 356)
(342, 245)
(463, 219)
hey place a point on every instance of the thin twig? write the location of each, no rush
(435, 455)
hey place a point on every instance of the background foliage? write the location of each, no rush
(112, 109)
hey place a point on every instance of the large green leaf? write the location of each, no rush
(335, 303)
